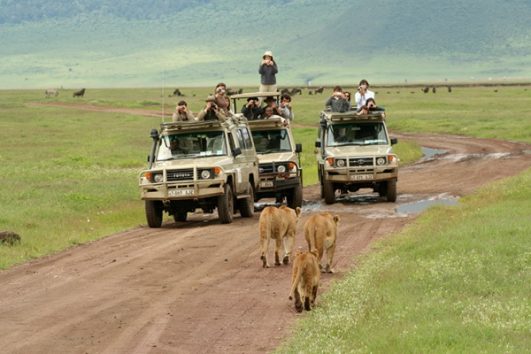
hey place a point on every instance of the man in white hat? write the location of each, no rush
(268, 69)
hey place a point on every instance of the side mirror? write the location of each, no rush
(394, 141)
(236, 151)
(154, 134)
(317, 143)
(298, 148)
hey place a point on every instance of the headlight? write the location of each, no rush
(205, 174)
(157, 177)
(340, 163)
(281, 169)
(292, 167)
(380, 161)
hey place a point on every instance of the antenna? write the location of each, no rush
(163, 95)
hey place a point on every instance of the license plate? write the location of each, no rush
(266, 184)
(361, 177)
(180, 192)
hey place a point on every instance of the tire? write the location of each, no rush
(295, 197)
(391, 191)
(328, 192)
(382, 189)
(154, 213)
(246, 205)
(226, 205)
(180, 216)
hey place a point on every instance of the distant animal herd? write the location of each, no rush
(54, 92)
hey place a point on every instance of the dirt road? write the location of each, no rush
(198, 287)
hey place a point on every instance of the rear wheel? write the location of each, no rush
(246, 205)
(391, 190)
(328, 192)
(226, 205)
(295, 197)
(154, 213)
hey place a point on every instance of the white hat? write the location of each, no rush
(268, 53)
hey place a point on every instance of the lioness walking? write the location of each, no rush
(279, 224)
(320, 231)
(305, 278)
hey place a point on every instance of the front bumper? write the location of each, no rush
(182, 190)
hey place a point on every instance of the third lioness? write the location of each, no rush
(320, 231)
(305, 278)
(278, 224)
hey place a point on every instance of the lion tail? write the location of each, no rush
(295, 279)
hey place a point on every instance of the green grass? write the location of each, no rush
(456, 281)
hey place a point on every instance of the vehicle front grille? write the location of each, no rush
(271, 167)
(180, 175)
(266, 168)
(360, 161)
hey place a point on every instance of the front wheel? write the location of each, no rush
(329, 192)
(246, 205)
(391, 190)
(154, 213)
(295, 197)
(226, 205)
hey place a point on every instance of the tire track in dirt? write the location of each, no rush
(198, 287)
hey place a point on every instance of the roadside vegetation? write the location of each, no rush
(456, 280)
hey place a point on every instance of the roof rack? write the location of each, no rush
(234, 119)
(352, 116)
(273, 121)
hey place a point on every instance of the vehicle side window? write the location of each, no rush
(231, 142)
(241, 142)
(247, 138)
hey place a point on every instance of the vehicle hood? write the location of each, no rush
(277, 157)
(369, 150)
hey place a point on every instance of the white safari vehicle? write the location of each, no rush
(208, 165)
(280, 170)
(355, 151)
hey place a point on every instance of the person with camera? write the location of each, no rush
(363, 94)
(267, 70)
(252, 109)
(221, 98)
(211, 111)
(285, 107)
(182, 113)
(338, 101)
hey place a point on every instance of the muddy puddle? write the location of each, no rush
(419, 206)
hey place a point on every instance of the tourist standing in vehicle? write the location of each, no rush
(182, 113)
(285, 107)
(252, 109)
(268, 70)
(338, 102)
(211, 111)
(363, 94)
(221, 99)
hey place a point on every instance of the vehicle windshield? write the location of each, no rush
(268, 141)
(356, 133)
(192, 145)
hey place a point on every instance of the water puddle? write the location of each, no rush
(430, 153)
(421, 205)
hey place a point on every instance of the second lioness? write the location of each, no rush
(279, 224)
(320, 231)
